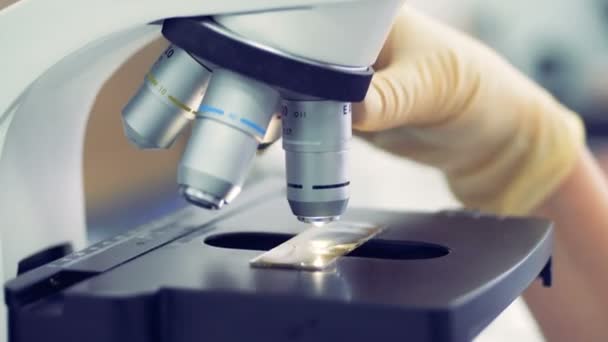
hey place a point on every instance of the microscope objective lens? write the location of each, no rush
(165, 103)
(230, 123)
(315, 139)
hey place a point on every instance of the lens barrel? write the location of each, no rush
(167, 100)
(315, 139)
(231, 122)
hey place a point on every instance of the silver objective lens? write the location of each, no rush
(166, 101)
(315, 140)
(231, 121)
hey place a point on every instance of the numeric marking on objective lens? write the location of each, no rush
(167, 54)
(346, 109)
(299, 115)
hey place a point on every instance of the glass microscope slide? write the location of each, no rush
(316, 248)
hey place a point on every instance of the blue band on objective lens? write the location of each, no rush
(210, 109)
(244, 121)
(253, 125)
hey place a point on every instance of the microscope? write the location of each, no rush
(233, 64)
(231, 67)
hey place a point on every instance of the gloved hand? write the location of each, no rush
(443, 99)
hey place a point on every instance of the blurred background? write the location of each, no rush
(562, 44)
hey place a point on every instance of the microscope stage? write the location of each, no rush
(427, 277)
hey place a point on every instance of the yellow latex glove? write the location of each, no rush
(441, 98)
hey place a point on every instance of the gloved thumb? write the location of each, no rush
(421, 76)
(398, 95)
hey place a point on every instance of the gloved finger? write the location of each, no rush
(385, 105)
(410, 92)
(424, 75)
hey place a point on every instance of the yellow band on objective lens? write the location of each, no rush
(171, 98)
(179, 104)
(152, 79)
